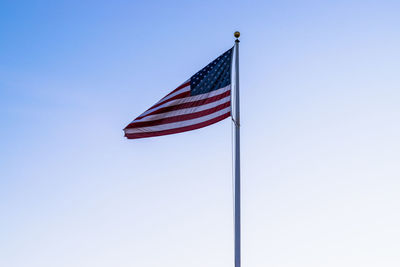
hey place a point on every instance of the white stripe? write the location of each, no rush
(179, 124)
(189, 99)
(185, 111)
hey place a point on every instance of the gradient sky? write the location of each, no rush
(320, 107)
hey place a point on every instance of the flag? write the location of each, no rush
(202, 100)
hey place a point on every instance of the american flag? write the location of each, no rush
(202, 100)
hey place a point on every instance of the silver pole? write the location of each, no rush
(237, 156)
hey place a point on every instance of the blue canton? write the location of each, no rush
(214, 76)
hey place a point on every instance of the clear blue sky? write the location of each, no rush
(320, 99)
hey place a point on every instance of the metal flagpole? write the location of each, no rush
(236, 121)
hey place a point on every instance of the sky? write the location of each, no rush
(320, 94)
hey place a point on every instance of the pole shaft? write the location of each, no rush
(237, 160)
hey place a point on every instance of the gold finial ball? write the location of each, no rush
(237, 34)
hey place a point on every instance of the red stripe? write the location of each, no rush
(178, 130)
(184, 117)
(179, 87)
(181, 95)
(188, 104)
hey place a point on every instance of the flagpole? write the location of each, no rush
(236, 121)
